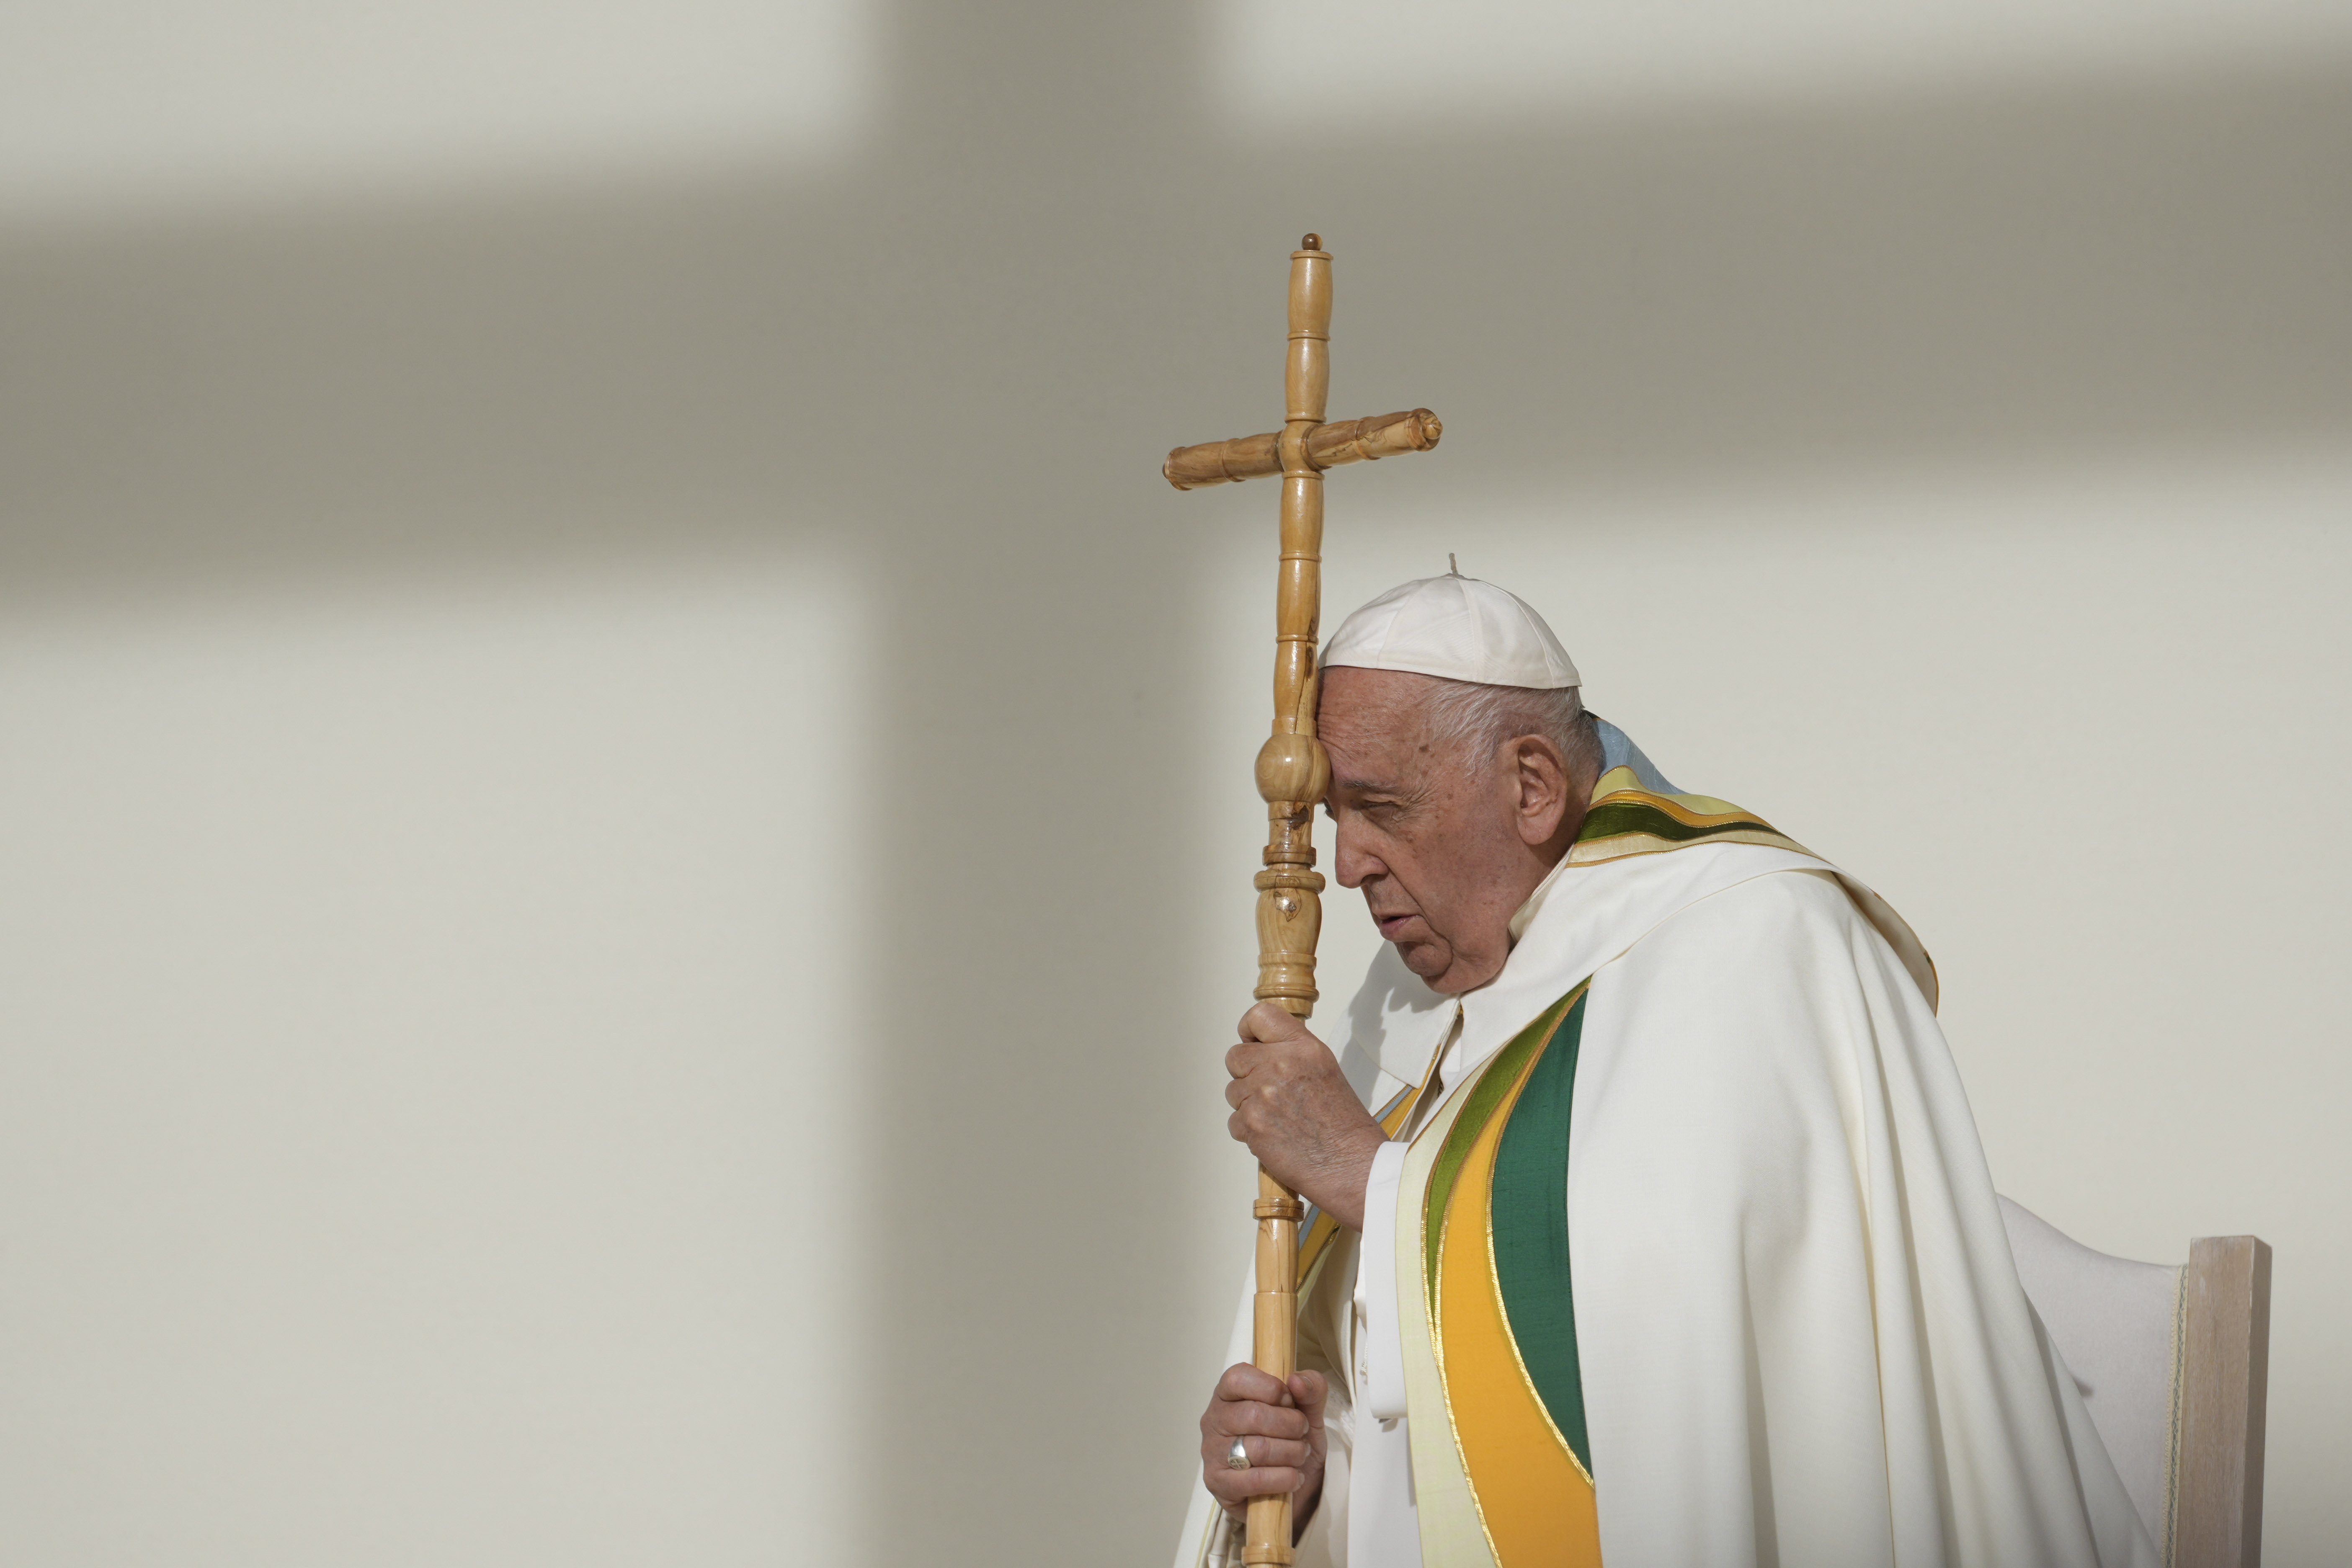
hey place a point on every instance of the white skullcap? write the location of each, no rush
(1457, 628)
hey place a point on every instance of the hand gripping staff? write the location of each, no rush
(1292, 769)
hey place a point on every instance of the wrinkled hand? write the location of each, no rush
(1297, 1115)
(1281, 1428)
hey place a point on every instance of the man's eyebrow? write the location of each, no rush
(1369, 786)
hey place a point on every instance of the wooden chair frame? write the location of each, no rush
(2223, 1395)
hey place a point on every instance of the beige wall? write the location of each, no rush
(624, 828)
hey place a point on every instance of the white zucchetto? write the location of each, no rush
(1457, 628)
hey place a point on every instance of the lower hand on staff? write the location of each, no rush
(1299, 1116)
(1280, 1428)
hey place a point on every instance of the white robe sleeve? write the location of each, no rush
(1380, 1347)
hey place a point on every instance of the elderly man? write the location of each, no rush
(1651, 1225)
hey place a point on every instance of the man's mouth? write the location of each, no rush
(1392, 926)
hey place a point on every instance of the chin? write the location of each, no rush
(1424, 959)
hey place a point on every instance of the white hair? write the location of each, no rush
(1480, 719)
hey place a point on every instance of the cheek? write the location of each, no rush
(1399, 853)
(1432, 891)
(1441, 881)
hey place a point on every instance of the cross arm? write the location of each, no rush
(1327, 446)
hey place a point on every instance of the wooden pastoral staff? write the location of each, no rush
(1292, 769)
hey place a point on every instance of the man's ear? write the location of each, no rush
(1540, 775)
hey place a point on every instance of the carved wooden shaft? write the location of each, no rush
(1291, 772)
(1292, 769)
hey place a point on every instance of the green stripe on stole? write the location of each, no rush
(1611, 819)
(1500, 1328)
(1486, 1097)
(1529, 1225)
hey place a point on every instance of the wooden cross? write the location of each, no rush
(1292, 769)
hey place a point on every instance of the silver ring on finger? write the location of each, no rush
(1237, 1457)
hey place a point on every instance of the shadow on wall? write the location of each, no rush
(962, 352)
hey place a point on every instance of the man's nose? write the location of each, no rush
(1351, 862)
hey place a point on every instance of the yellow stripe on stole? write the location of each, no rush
(1695, 810)
(1535, 1500)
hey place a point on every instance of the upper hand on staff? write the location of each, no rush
(1297, 1115)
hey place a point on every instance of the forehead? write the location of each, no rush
(1371, 711)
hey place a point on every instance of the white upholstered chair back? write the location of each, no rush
(2173, 1365)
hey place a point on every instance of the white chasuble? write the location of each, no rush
(1783, 1325)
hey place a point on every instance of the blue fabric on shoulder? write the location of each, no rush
(1618, 751)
